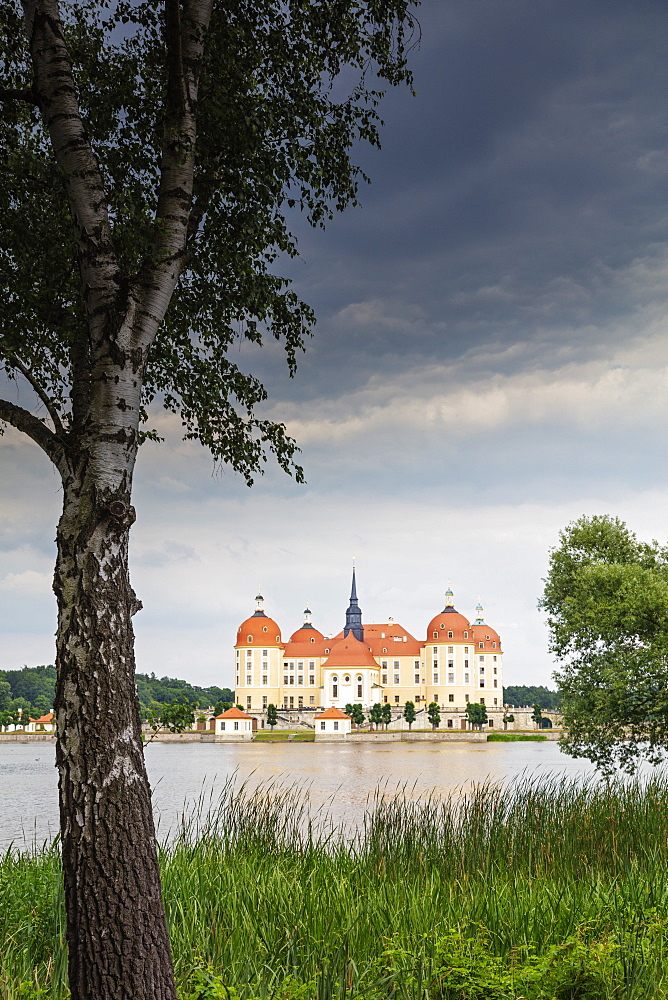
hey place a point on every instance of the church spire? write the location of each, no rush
(354, 615)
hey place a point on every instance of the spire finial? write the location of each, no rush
(259, 602)
(354, 614)
(449, 597)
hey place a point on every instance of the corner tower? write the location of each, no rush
(354, 615)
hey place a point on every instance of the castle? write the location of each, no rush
(459, 661)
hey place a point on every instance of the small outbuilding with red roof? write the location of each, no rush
(332, 724)
(234, 725)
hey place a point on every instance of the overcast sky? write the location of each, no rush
(490, 362)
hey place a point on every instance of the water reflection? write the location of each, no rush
(339, 779)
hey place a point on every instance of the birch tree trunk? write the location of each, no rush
(116, 928)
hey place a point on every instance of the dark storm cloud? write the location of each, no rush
(510, 197)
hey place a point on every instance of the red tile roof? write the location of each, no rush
(332, 713)
(234, 713)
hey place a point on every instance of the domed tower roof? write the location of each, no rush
(484, 635)
(448, 620)
(259, 628)
(307, 631)
(349, 653)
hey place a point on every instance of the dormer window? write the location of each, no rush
(481, 645)
(486, 637)
(493, 645)
(441, 625)
(327, 651)
(278, 638)
(264, 628)
(384, 650)
(312, 639)
(250, 638)
(449, 635)
(435, 635)
(466, 635)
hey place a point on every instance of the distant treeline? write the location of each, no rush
(32, 689)
(521, 694)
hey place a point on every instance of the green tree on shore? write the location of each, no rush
(376, 715)
(387, 714)
(537, 715)
(476, 714)
(434, 714)
(409, 713)
(272, 716)
(606, 598)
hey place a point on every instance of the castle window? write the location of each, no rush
(264, 701)
(481, 645)
(278, 638)
(336, 725)
(451, 649)
(264, 628)
(449, 635)
(396, 699)
(346, 679)
(384, 650)
(300, 680)
(451, 678)
(264, 679)
(466, 698)
(250, 638)
(300, 702)
(449, 723)
(441, 625)
(383, 664)
(434, 650)
(249, 680)
(311, 679)
(359, 690)
(359, 678)
(236, 724)
(494, 645)
(466, 635)
(396, 678)
(495, 701)
(322, 726)
(451, 664)
(292, 678)
(311, 664)
(482, 701)
(416, 664)
(396, 664)
(327, 651)
(384, 679)
(482, 682)
(496, 683)
(451, 698)
(435, 678)
(311, 699)
(300, 665)
(312, 639)
(222, 726)
(264, 664)
(285, 678)
(486, 637)
(265, 652)
(466, 663)
(466, 678)
(435, 635)
(416, 679)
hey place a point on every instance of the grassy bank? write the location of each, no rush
(516, 738)
(545, 891)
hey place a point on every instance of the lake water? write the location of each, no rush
(338, 778)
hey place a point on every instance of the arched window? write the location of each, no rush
(250, 638)
(481, 645)
(278, 638)
(335, 686)
(466, 635)
(346, 679)
(449, 635)
(493, 645)
(327, 651)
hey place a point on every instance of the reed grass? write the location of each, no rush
(277, 900)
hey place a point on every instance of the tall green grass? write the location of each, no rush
(530, 882)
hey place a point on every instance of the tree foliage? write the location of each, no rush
(434, 714)
(527, 694)
(272, 716)
(273, 138)
(606, 598)
(409, 713)
(476, 714)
